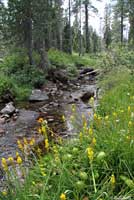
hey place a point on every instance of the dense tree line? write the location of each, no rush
(44, 24)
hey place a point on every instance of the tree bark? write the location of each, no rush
(87, 27)
(122, 21)
(70, 31)
(28, 33)
(80, 35)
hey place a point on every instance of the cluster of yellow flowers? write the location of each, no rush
(90, 153)
(63, 196)
(46, 144)
(10, 160)
(42, 169)
(56, 153)
(22, 145)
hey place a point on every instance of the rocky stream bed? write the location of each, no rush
(52, 102)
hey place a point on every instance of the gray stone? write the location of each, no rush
(38, 95)
(2, 131)
(2, 120)
(9, 109)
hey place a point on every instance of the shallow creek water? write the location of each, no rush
(52, 110)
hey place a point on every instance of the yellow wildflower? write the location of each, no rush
(81, 136)
(63, 118)
(90, 131)
(19, 160)
(43, 174)
(73, 107)
(128, 137)
(55, 150)
(63, 196)
(46, 144)
(32, 142)
(90, 153)
(20, 145)
(106, 117)
(94, 141)
(132, 97)
(129, 108)
(25, 141)
(17, 154)
(33, 182)
(4, 192)
(60, 140)
(39, 151)
(72, 118)
(39, 130)
(129, 123)
(114, 114)
(40, 120)
(91, 101)
(43, 129)
(10, 159)
(95, 116)
(112, 180)
(4, 164)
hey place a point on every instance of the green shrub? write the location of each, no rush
(117, 57)
(64, 60)
(6, 84)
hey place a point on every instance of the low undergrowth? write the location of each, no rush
(18, 77)
(97, 165)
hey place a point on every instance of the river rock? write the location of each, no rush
(87, 95)
(2, 120)
(9, 109)
(38, 95)
(2, 131)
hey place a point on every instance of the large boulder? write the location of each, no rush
(38, 95)
(8, 109)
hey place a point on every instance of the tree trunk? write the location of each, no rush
(44, 57)
(44, 63)
(87, 27)
(28, 33)
(80, 36)
(122, 21)
(70, 31)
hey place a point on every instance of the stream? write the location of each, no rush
(61, 100)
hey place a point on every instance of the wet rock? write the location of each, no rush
(17, 110)
(50, 120)
(38, 95)
(2, 120)
(87, 95)
(27, 117)
(2, 131)
(6, 116)
(9, 109)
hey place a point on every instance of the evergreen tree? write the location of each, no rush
(107, 26)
